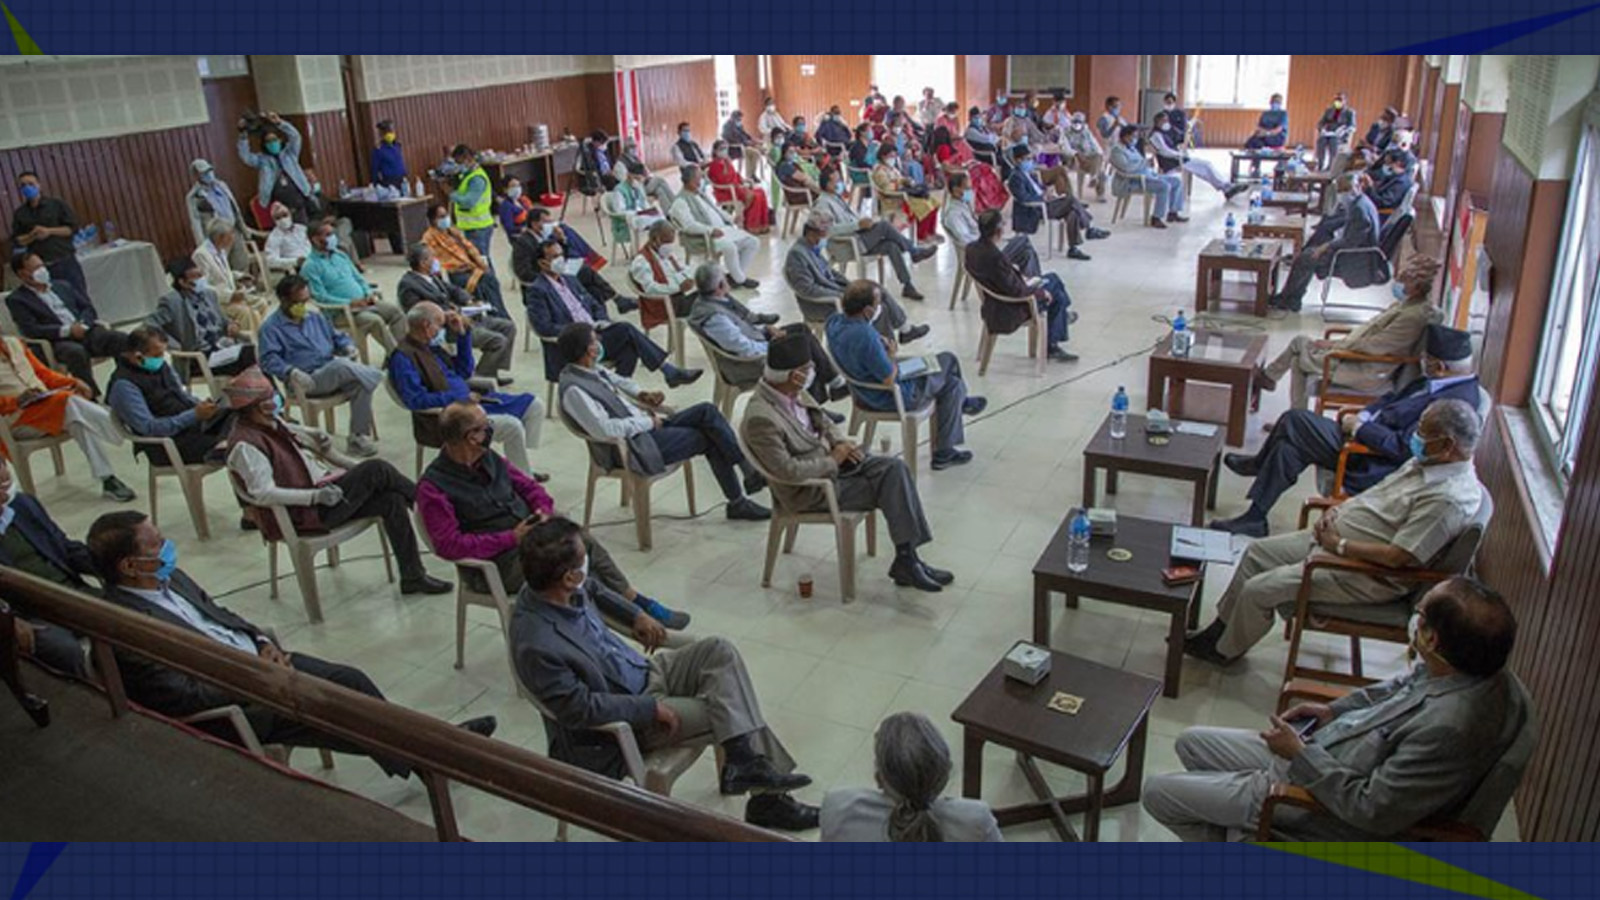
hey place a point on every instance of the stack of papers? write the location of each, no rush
(1201, 545)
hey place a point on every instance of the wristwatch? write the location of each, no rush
(1342, 543)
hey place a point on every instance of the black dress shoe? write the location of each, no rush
(680, 377)
(911, 293)
(908, 572)
(750, 284)
(248, 524)
(839, 392)
(941, 576)
(1206, 651)
(1246, 525)
(1060, 354)
(1241, 464)
(1177, 218)
(759, 774)
(781, 812)
(836, 418)
(426, 584)
(1234, 191)
(1075, 253)
(972, 406)
(1097, 234)
(754, 483)
(922, 253)
(541, 477)
(1155, 222)
(746, 510)
(913, 333)
(764, 319)
(626, 305)
(953, 458)
(482, 726)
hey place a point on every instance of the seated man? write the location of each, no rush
(1172, 156)
(1359, 231)
(430, 370)
(1380, 135)
(1272, 130)
(990, 267)
(662, 276)
(832, 129)
(817, 286)
(217, 259)
(1028, 193)
(139, 568)
(1302, 439)
(791, 438)
(299, 347)
(555, 301)
(1391, 181)
(494, 337)
(1402, 522)
(1131, 174)
(733, 328)
(584, 676)
(1111, 123)
(287, 243)
(56, 312)
(45, 403)
(1378, 760)
(604, 406)
(1334, 130)
(276, 463)
(1397, 331)
(31, 542)
(577, 258)
(629, 163)
(865, 355)
(461, 261)
(876, 237)
(694, 212)
(151, 401)
(190, 316)
(334, 281)
(631, 209)
(793, 171)
(1087, 155)
(960, 221)
(475, 504)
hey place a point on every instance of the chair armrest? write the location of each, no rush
(1317, 503)
(1336, 331)
(1283, 795)
(1322, 560)
(628, 743)
(43, 349)
(234, 715)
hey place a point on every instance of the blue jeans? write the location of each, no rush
(1055, 308)
(701, 430)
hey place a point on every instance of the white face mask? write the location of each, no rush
(285, 222)
(876, 312)
(546, 230)
(584, 570)
(434, 267)
(811, 375)
(514, 193)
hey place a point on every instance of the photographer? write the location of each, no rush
(278, 174)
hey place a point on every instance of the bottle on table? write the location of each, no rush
(1257, 213)
(1230, 234)
(1182, 337)
(1119, 414)
(1078, 534)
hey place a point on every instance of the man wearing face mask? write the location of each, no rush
(1405, 521)
(630, 165)
(1391, 181)
(1131, 174)
(1111, 123)
(44, 226)
(44, 309)
(1303, 439)
(1397, 331)
(733, 328)
(298, 347)
(150, 401)
(493, 337)
(788, 433)
(999, 111)
(461, 261)
(139, 568)
(335, 281)
(1086, 154)
(278, 173)
(991, 267)
(1334, 130)
(1379, 760)
(1177, 118)
(1032, 204)
(685, 152)
(876, 237)
(960, 220)
(984, 142)
(578, 257)
(1272, 129)
(210, 198)
(430, 370)
(471, 201)
(740, 142)
(388, 160)
(832, 129)
(1171, 156)
(771, 120)
(31, 542)
(662, 277)
(631, 208)
(191, 317)
(288, 244)
(866, 356)
(213, 258)
(273, 462)
(1354, 227)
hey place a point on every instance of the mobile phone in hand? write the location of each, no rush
(1303, 726)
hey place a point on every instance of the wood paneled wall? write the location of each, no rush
(748, 70)
(671, 94)
(1109, 75)
(1372, 82)
(1483, 149)
(839, 78)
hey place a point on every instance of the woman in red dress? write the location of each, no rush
(955, 155)
(727, 185)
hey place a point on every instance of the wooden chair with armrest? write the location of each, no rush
(1330, 393)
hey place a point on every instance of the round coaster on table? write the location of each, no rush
(1159, 440)
(1118, 554)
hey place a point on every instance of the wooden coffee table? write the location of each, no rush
(1257, 258)
(1278, 227)
(1185, 457)
(1136, 582)
(1256, 156)
(1227, 358)
(1112, 723)
(1295, 202)
(1310, 183)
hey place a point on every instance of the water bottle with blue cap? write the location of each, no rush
(1078, 534)
(1119, 414)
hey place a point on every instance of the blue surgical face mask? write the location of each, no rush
(599, 353)
(333, 242)
(1275, 105)
(169, 561)
(151, 363)
(1419, 447)
(1027, 166)
(30, 192)
(1398, 290)
(966, 196)
(272, 146)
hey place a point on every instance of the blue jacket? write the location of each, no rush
(1392, 420)
(69, 556)
(308, 346)
(414, 394)
(267, 166)
(548, 312)
(1390, 190)
(1024, 190)
(388, 165)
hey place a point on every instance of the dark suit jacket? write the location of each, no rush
(560, 665)
(1394, 418)
(1388, 192)
(1024, 190)
(988, 265)
(1360, 230)
(35, 320)
(548, 312)
(66, 554)
(525, 257)
(165, 690)
(415, 287)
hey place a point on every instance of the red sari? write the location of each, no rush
(987, 190)
(727, 185)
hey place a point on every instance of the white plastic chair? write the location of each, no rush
(724, 393)
(190, 477)
(909, 420)
(962, 286)
(1120, 208)
(19, 449)
(1038, 333)
(233, 714)
(857, 254)
(635, 487)
(676, 327)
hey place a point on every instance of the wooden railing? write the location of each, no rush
(438, 752)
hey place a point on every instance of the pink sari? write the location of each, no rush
(987, 190)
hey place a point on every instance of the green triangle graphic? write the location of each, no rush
(25, 44)
(1400, 862)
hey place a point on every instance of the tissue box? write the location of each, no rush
(1027, 663)
(1102, 521)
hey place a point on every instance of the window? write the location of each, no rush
(906, 76)
(1247, 81)
(1044, 74)
(1567, 356)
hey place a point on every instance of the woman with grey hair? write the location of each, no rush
(913, 766)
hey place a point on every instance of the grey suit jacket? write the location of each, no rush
(1422, 749)
(808, 276)
(786, 449)
(1360, 231)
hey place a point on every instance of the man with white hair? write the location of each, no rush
(818, 286)
(492, 336)
(875, 237)
(1087, 155)
(694, 212)
(733, 328)
(1404, 521)
(790, 437)
(430, 368)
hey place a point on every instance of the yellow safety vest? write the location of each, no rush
(479, 215)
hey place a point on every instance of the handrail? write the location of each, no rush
(437, 751)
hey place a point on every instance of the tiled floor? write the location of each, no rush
(827, 672)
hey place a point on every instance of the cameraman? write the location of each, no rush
(279, 177)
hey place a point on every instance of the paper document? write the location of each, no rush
(1201, 544)
(41, 396)
(225, 356)
(917, 366)
(1198, 429)
(476, 310)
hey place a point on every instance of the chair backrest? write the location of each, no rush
(1520, 736)
(718, 357)
(793, 196)
(1409, 202)
(1457, 557)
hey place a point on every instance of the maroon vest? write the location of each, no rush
(289, 471)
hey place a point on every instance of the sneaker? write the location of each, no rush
(911, 293)
(781, 812)
(746, 510)
(973, 406)
(425, 584)
(113, 489)
(953, 458)
(361, 445)
(913, 333)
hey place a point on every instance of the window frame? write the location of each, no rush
(1559, 440)
(1191, 82)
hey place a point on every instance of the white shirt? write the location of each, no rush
(255, 470)
(696, 214)
(671, 266)
(285, 249)
(172, 602)
(1418, 508)
(593, 419)
(960, 222)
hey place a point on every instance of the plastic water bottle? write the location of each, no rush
(1266, 187)
(1182, 337)
(1230, 234)
(1119, 414)
(1257, 213)
(344, 189)
(1078, 535)
(109, 231)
